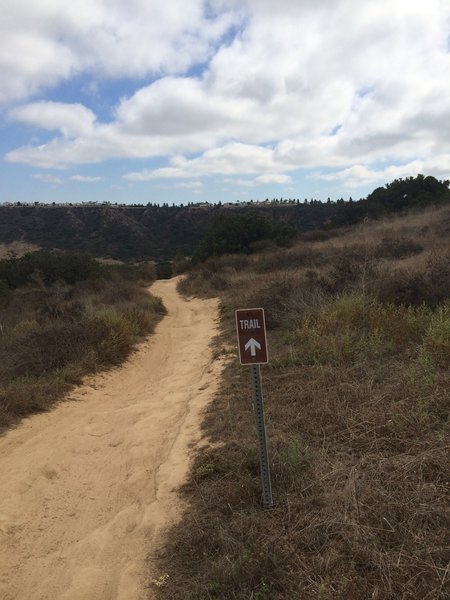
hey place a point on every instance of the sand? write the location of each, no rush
(87, 489)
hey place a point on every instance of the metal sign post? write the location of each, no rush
(251, 333)
(267, 499)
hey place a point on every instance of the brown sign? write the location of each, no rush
(251, 334)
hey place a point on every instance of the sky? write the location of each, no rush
(183, 101)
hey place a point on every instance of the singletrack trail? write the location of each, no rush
(87, 489)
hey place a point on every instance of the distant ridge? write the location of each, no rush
(162, 232)
(135, 232)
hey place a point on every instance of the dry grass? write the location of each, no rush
(357, 407)
(52, 336)
(16, 249)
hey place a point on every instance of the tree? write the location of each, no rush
(409, 192)
(237, 232)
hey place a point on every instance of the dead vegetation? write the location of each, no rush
(357, 417)
(58, 324)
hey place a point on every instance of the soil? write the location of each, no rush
(87, 490)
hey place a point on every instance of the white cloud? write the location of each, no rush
(361, 175)
(48, 178)
(54, 180)
(189, 185)
(45, 42)
(85, 178)
(261, 180)
(72, 120)
(303, 85)
(273, 178)
(230, 159)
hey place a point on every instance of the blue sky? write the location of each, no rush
(194, 100)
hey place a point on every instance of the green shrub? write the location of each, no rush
(144, 272)
(234, 233)
(164, 270)
(49, 267)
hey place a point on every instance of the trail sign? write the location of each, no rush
(251, 334)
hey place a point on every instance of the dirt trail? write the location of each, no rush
(86, 488)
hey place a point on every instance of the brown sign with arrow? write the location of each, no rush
(251, 334)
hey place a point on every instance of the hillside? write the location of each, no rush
(134, 232)
(356, 395)
(162, 232)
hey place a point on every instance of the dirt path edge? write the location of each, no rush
(87, 489)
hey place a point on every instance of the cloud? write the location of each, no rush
(46, 42)
(234, 158)
(48, 178)
(273, 178)
(54, 180)
(189, 185)
(322, 85)
(85, 179)
(361, 175)
(72, 120)
(269, 178)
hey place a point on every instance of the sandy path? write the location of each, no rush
(86, 488)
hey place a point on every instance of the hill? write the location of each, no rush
(356, 395)
(136, 232)
(162, 232)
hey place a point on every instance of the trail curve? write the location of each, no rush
(87, 488)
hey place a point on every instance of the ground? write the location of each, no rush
(87, 489)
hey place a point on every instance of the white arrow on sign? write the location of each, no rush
(252, 344)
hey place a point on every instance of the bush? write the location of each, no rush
(50, 337)
(231, 233)
(49, 267)
(164, 270)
